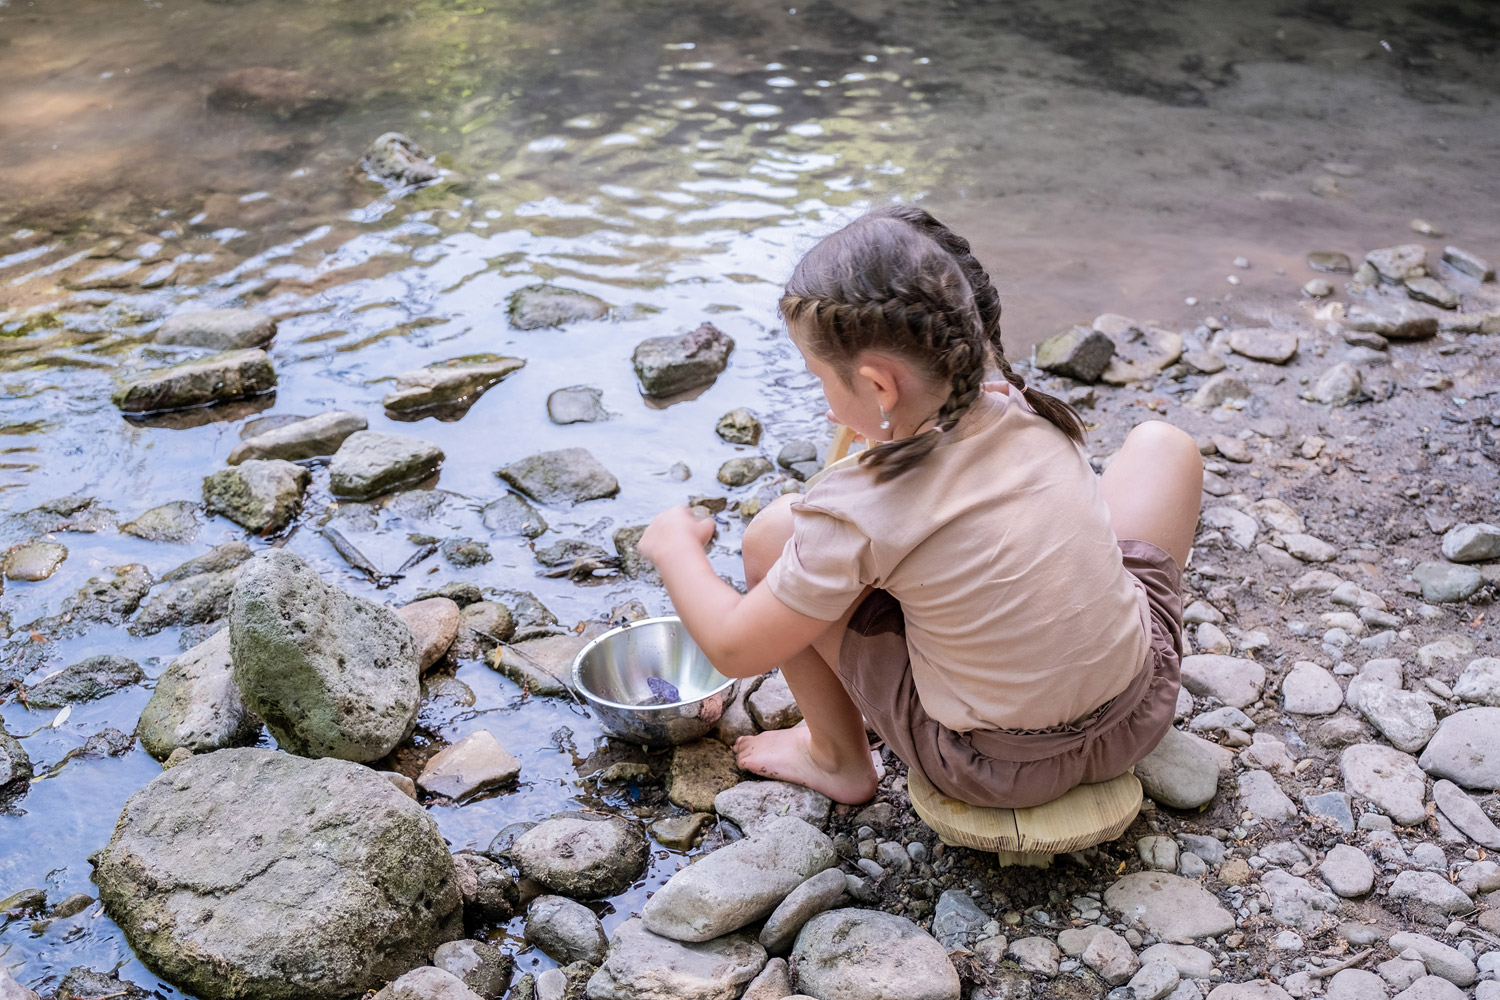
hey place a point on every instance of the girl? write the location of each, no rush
(1009, 623)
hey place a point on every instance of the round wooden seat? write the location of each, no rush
(1085, 816)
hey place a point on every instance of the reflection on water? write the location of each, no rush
(673, 160)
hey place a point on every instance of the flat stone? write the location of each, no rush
(566, 931)
(1079, 352)
(1297, 904)
(1356, 984)
(581, 855)
(176, 521)
(455, 383)
(1474, 542)
(680, 832)
(1398, 263)
(197, 705)
(372, 463)
(512, 515)
(1190, 962)
(644, 966)
(1309, 548)
(1351, 595)
(750, 805)
(1140, 354)
(568, 475)
(1388, 778)
(1172, 908)
(216, 560)
(667, 366)
(1432, 889)
(699, 772)
(302, 439)
(1331, 805)
(219, 329)
(1234, 681)
(86, 680)
(219, 378)
(260, 495)
(1441, 960)
(1464, 262)
(853, 953)
(1249, 991)
(738, 884)
(820, 893)
(578, 404)
(1466, 814)
(1239, 527)
(1403, 717)
(1433, 291)
(539, 307)
(542, 666)
(1157, 853)
(1398, 321)
(474, 765)
(33, 561)
(1264, 344)
(1219, 389)
(1309, 689)
(1180, 773)
(434, 625)
(1263, 797)
(1466, 749)
(1348, 871)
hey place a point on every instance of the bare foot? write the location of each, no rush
(787, 755)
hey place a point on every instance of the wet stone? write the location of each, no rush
(395, 159)
(1080, 352)
(371, 463)
(109, 600)
(195, 600)
(699, 772)
(455, 384)
(434, 624)
(301, 439)
(82, 983)
(744, 471)
(261, 496)
(86, 680)
(542, 666)
(579, 404)
(568, 475)
(218, 329)
(512, 515)
(33, 561)
(15, 778)
(466, 552)
(680, 832)
(489, 892)
(483, 968)
(220, 378)
(1446, 583)
(667, 366)
(474, 765)
(582, 856)
(170, 522)
(197, 705)
(739, 426)
(566, 931)
(750, 805)
(568, 551)
(538, 307)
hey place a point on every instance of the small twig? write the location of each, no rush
(1334, 969)
(107, 996)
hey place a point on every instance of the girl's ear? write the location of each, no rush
(884, 380)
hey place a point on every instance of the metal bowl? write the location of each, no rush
(613, 674)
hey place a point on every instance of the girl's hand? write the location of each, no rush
(675, 530)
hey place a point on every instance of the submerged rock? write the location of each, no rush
(332, 674)
(455, 383)
(538, 307)
(85, 680)
(282, 94)
(218, 329)
(216, 379)
(570, 475)
(370, 464)
(194, 600)
(582, 855)
(109, 600)
(33, 561)
(394, 159)
(853, 953)
(255, 873)
(170, 522)
(309, 438)
(667, 366)
(197, 705)
(645, 966)
(579, 404)
(260, 495)
(512, 515)
(15, 773)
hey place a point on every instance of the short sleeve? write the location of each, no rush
(825, 565)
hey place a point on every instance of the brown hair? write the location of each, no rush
(897, 280)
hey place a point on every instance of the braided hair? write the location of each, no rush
(897, 280)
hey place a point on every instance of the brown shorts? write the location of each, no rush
(1014, 768)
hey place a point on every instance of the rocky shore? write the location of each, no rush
(1318, 824)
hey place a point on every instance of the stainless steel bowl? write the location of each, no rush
(612, 673)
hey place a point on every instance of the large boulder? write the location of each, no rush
(644, 966)
(250, 873)
(739, 884)
(669, 365)
(260, 495)
(332, 674)
(219, 329)
(852, 954)
(310, 438)
(197, 705)
(370, 463)
(582, 855)
(216, 379)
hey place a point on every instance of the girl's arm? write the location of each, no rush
(741, 634)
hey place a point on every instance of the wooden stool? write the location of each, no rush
(1083, 817)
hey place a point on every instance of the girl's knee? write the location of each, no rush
(1165, 440)
(765, 537)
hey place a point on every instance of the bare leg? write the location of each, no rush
(1154, 486)
(829, 754)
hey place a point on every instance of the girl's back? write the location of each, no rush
(1019, 611)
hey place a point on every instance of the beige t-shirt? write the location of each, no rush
(1019, 611)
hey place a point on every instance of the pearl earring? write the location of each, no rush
(885, 420)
